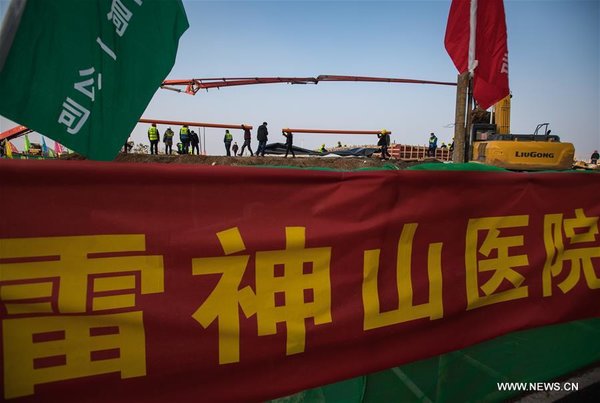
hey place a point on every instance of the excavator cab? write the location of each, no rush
(522, 152)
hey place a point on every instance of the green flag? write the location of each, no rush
(27, 144)
(82, 72)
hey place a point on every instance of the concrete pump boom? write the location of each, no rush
(193, 85)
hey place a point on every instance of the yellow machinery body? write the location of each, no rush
(525, 155)
(493, 145)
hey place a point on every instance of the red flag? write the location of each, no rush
(485, 53)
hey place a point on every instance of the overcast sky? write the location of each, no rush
(553, 55)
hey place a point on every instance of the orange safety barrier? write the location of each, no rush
(409, 152)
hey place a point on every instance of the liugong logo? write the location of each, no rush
(533, 154)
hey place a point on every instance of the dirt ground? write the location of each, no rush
(339, 163)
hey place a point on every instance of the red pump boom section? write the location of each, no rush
(193, 85)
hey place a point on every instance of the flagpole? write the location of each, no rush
(467, 135)
(468, 153)
(472, 61)
(460, 143)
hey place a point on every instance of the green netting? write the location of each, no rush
(468, 166)
(385, 167)
(430, 166)
(476, 166)
(472, 374)
(348, 391)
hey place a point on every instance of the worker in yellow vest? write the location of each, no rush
(154, 137)
(168, 140)
(184, 136)
(432, 145)
(384, 142)
(227, 140)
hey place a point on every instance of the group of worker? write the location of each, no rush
(432, 147)
(384, 143)
(187, 138)
(262, 135)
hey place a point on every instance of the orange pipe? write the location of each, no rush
(195, 124)
(14, 132)
(321, 131)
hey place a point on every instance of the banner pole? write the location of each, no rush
(467, 136)
(459, 119)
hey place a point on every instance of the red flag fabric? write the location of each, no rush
(490, 75)
(457, 34)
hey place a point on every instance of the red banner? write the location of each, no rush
(196, 283)
(490, 81)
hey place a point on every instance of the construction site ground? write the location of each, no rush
(338, 163)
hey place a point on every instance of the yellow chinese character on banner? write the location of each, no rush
(581, 234)
(42, 279)
(407, 310)
(292, 285)
(499, 264)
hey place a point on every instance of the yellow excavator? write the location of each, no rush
(493, 144)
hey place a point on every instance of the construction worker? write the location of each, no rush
(323, 149)
(384, 142)
(168, 140)
(184, 137)
(595, 157)
(154, 137)
(262, 135)
(432, 145)
(289, 143)
(247, 138)
(227, 140)
(195, 141)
